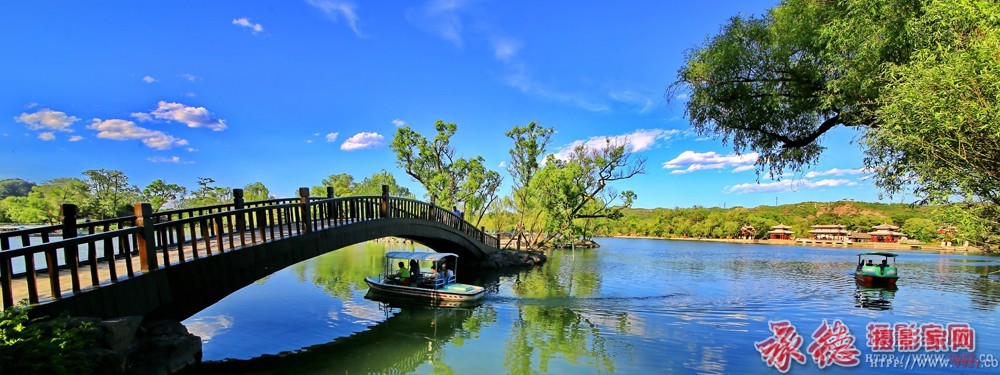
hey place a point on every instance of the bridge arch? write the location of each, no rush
(181, 274)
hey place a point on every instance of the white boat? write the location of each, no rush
(426, 284)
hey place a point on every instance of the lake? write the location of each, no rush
(632, 306)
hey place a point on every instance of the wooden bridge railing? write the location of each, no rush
(147, 241)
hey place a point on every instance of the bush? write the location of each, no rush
(37, 346)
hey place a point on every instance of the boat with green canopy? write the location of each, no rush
(412, 279)
(872, 274)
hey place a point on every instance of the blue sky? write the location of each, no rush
(289, 92)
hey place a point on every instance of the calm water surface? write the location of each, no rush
(632, 306)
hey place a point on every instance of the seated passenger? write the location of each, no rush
(414, 272)
(404, 275)
(449, 275)
(870, 263)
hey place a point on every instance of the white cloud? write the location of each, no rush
(75, 138)
(188, 76)
(47, 119)
(362, 140)
(787, 185)
(339, 9)
(502, 164)
(839, 172)
(639, 140)
(46, 136)
(690, 161)
(148, 79)
(245, 22)
(141, 116)
(172, 159)
(194, 117)
(520, 79)
(506, 48)
(331, 137)
(190, 94)
(398, 122)
(681, 96)
(121, 130)
(631, 97)
(309, 141)
(192, 149)
(30, 105)
(440, 17)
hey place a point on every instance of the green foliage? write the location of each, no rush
(256, 192)
(725, 223)
(577, 188)
(44, 202)
(372, 185)
(530, 145)
(918, 77)
(159, 193)
(208, 195)
(343, 185)
(110, 193)
(450, 181)
(15, 187)
(32, 346)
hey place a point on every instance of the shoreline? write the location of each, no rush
(960, 250)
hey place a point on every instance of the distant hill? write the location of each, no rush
(717, 222)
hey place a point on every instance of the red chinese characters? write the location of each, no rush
(834, 344)
(908, 337)
(782, 347)
(880, 337)
(961, 336)
(935, 337)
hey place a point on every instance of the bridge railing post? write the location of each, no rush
(146, 237)
(431, 215)
(70, 252)
(238, 204)
(383, 211)
(329, 205)
(304, 213)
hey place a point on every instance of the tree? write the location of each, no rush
(577, 188)
(110, 191)
(159, 193)
(449, 181)
(256, 192)
(372, 185)
(530, 145)
(209, 195)
(15, 187)
(343, 185)
(44, 203)
(916, 77)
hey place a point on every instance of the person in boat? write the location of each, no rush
(882, 266)
(414, 272)
(448, 273)
(404, 275)
(870, 263)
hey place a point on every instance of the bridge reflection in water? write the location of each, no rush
(410, 336)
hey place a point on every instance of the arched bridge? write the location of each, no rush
(175, 263)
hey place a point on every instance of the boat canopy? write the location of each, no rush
(890, 255)
(418, 256)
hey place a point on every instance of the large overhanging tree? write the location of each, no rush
(919, 79)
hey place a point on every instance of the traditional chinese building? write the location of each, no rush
(885, 233)
(780, 232)
(860, 237)
(747, 232)
(834, 232)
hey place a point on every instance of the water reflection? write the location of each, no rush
(410, 336)
(874, 298)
